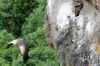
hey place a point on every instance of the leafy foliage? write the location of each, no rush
(4, 38)
(43, 56)
(35, 19)
(24, 18)
(5, 53)
(13, 14)
(36, 38)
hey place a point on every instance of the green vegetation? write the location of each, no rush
(24, 18)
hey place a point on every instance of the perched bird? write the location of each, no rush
(22, 45)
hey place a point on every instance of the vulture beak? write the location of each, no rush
(22, 45)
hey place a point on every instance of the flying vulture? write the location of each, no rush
(22, 45)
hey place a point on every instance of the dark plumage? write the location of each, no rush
(22, 45)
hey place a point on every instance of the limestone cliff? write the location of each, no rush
(73, 29)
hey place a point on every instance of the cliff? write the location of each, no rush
(73, 29)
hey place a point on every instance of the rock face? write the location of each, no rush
(96, 3)
(73, 29)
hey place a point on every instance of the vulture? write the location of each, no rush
(22, 45)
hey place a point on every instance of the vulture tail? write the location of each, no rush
(25, 58)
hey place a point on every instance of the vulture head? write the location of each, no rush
(22, 45)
